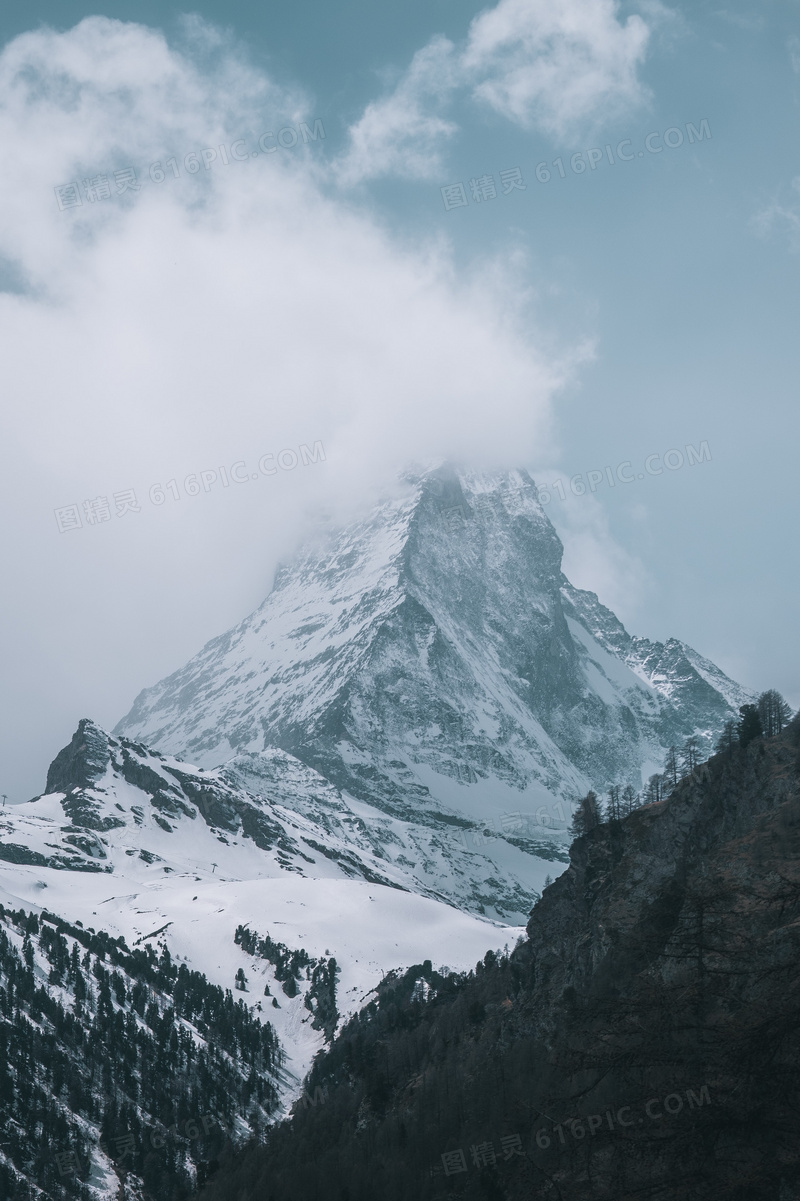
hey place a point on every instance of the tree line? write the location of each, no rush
(535, 1075)
(764, 719)
(103, 1043)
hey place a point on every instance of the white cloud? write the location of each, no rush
(401, 134)
(206, 320)
(552, 66)
(218, 282)
(783, 216)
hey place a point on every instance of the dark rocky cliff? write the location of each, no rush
(642, 1043)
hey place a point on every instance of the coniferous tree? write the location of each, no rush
(749, 725)
(614, 807)
(773, 712)
(671, 773)
(690, 755)
(654, 790)
(728, 739)
(630, 800)
(706, 1014)
(587, 816)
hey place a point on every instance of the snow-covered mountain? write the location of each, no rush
(143, 846)
(432, 661)
(371, 771)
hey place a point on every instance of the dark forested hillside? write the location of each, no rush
(643, 1042)
(119, 1064)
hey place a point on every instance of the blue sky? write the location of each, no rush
(324, 292)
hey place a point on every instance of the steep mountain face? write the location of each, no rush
(432, 661)
(694, 686)
(641, 1042)
(384, 754)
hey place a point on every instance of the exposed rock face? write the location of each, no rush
(711, 837)
(82, 762)
(665, 961)
(433, 658)
(273, 814)
(118, 788)
(424, 691)
(642, 1043)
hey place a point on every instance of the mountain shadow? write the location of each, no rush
(641, 1043)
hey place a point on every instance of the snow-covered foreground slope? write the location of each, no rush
(123, 1074)
(369, 929)
(141, 845)
(432, 660)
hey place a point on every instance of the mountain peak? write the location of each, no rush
(431, 661)
(82, 762)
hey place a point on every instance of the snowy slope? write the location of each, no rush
(433, 661)
(268, 813)
(138, 844)
(123, 1073)
(385, 751)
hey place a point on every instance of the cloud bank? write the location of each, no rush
(201, 320)
(549, 65)
(241, 300)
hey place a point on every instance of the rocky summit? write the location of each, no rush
(330, 814)
(433, 662)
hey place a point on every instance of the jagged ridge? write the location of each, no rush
(432, 662)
